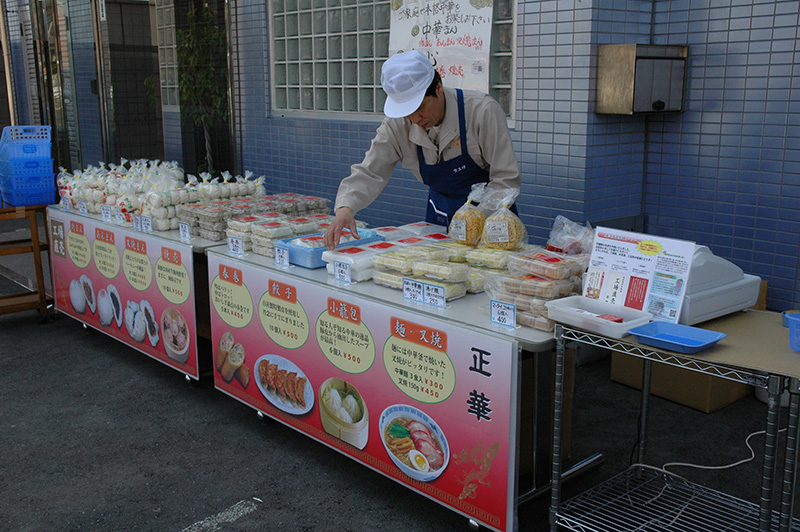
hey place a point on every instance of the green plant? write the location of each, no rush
(203, 87)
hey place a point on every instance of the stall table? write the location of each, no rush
(755, 352)
(153, 273)
(38, 299)
(449, 368)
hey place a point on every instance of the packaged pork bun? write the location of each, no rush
(467, 224)
(503, 229)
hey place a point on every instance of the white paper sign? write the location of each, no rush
(413, 290)
(341, 271)
(119, 216)
(147, 224)
(66, 203)
(137, 222)
(183, 229)
(434, 295)
(639, 271)
(502, 313)
(105, 213)
(235, 246)
(455, 35)
(281, 257)
(82, 208)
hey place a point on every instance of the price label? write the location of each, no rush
(119, 216)
(105, 213)
(137, 222)
(183, 229)
(65, 204)
(281, 257)
(413, 290)
(341, 271)
(235, 246)
(434, 295)
(82, 208)
(147, 224)
(504, 314)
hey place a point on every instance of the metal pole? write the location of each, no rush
(8, 64)
(790, 459)
(774, 387)
(558, 412)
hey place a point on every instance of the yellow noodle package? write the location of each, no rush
(467, 224)
(503, 229)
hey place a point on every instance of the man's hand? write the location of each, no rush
(344, 219)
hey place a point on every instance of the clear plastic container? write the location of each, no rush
(244, 223)
(423, 228)
(211, 235)
(492, 258)
(311, 241)
(455, 252)
(358, 257)
(392, 233)
(396, 261)
(426, 251)
(388, 278)
(436, 237)
(355, 275)
(411, 241)
(212, 214)
(271, 229)
(212, 226)
(302, 225)
(442, 270)
(539, 261)
(245, 236)
(535, 320)
(266, 251)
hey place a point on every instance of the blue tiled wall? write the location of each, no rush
(724, 173)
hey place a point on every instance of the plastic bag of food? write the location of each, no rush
(569, 237)
(467, 224)
(503, 229)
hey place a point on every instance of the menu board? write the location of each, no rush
(639, 271)
(133, 286)
(425, 402)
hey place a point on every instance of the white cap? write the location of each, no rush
(405, 78)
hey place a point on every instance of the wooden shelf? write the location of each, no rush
(39, 298)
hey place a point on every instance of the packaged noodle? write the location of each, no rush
(426, 252)
(535, 320)
(476, 282)
(455, 252)
(396, 261)
(451, 290)
(503, 229)
(467, 224)
(243, 223)
(441, 269)
(267, 251)
(539, 261)
(272, 229)
(388, 278)
(492, 258)
(245, 236)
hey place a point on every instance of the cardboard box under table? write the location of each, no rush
(751, 333)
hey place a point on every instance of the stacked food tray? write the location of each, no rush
(26, 166)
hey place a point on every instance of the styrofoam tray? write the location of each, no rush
(583, 312)
(676, 337)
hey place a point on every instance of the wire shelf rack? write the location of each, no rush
(642, 499)
(726, 372)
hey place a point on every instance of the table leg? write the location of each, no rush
(558, 405)
(790, 459)
(774, 389)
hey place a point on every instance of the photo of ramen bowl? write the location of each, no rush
(176, 335)
(343, 412)
(414, 442)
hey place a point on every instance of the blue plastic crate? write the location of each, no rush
(25, 141)
(26, 165)
(24, 181)
(29, 196)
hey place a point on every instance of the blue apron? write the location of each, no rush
(450, 182)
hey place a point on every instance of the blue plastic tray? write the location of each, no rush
(312, 257)
(675, 337)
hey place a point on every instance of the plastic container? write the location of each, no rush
(676, 337)
(311, 257)
(29, 196)
(539, 261)
(26, 166)
(442, 270)
(22, 181)
(584, 313)
(358, 257)
(25, 141)
(392, 233)
(533, 285)
(491, 258)
(423, 228)
(794, 330)
(397, 261)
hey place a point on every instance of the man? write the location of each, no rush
(449, 139)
